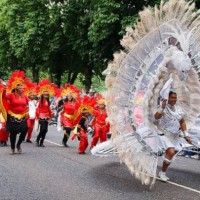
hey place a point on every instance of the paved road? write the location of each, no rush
(58, 173)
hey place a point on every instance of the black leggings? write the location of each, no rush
(66, 134)
(43, 131)
(22, 128)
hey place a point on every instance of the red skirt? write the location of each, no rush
(3, 133)
(66, 122)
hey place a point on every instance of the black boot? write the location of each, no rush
(64, 144)
(12, 151)
(37, 143)
(19, 148)
(41, 143)
(64, 141)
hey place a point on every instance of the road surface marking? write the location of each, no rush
(185, 187)
(54, 143)
(172, 183)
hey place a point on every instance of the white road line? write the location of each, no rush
(182, 186)
(185, 187)
(54, 143)
(172, 183)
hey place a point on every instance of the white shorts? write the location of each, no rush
(165, 143)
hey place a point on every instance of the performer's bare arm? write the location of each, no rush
(184, 129)
(159, 113)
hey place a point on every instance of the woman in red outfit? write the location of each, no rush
(68, 113)
(101, 127)
(17, 109)
(3, 133)
(67, 117)
(3, 116)
(43, 112)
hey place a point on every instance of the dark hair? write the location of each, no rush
(13, 90)
(67, 99)
(171, 92)
(42, 100)
(84, 111)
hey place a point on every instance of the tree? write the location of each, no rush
(64, 38)
(35, 39)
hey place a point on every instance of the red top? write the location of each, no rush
(100, 117)
(17, 104)
(69, 108)
(68, 114)
(43, 110)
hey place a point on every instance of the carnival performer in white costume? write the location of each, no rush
(171, 125)
(161, 51)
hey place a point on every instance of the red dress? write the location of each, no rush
(3, 133)
(3, 107)
(101, 127)
(43, 110)
(68, 114)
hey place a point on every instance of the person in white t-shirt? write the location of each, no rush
(32, 111)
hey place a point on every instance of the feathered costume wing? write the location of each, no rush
(164, 43)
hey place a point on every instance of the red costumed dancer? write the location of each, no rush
(17, 109)
(3, 116)
(67, 115)
(86, 108)
(82, 132)
(100, 126)
(43, 112)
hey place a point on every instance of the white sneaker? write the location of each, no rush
(195, 156)
(162, 176)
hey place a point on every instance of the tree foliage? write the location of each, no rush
(64, 39)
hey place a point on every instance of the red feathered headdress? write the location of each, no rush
(30, 87)
(100, 99)
(17, 77)
(46, 86)
(72, 89)
(86, 103)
